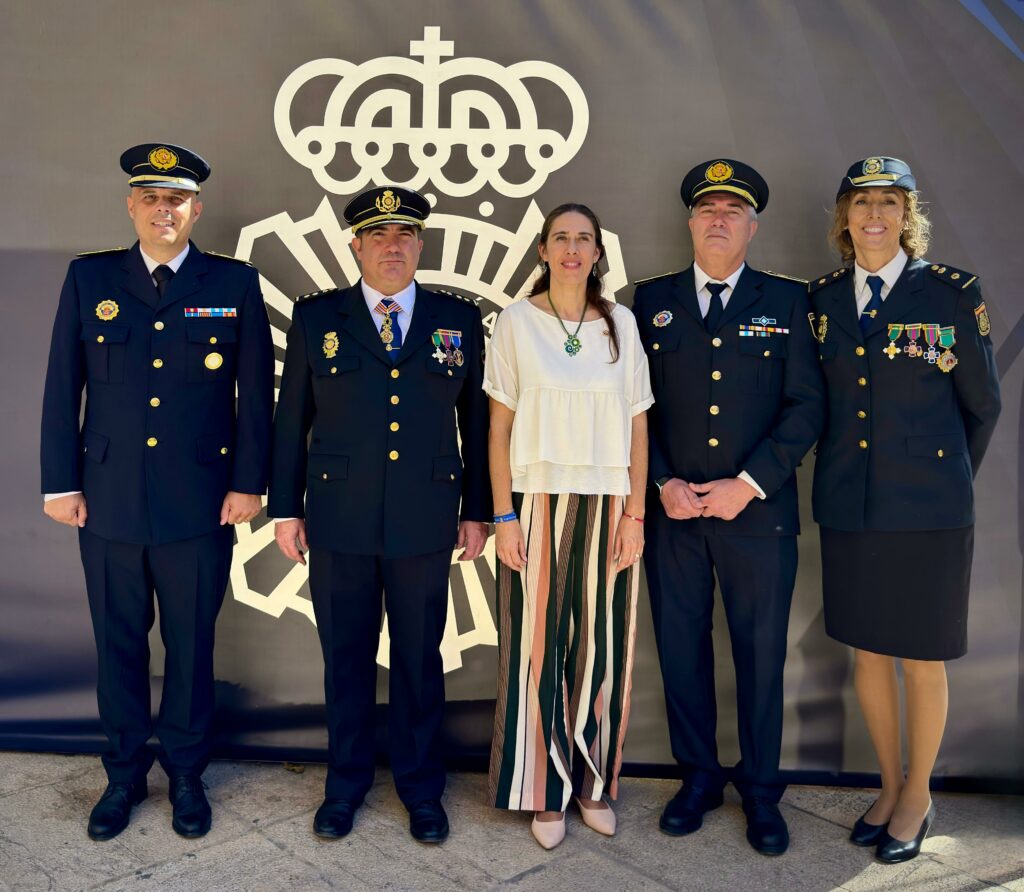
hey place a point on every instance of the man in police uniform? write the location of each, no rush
(739, 400)
(380, 372)
(159, 336)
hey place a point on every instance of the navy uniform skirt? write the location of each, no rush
(898, 594)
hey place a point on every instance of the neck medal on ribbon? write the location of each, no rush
(387, 331)
(895, 330)
(947, 338)
(913, 333)
(448, 342)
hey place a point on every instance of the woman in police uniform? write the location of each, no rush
(913, 399)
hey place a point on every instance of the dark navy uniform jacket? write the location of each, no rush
(903, 439)
(726, 403)
(163, 440)
(383, 474)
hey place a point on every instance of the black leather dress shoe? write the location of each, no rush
(191, 816)
(865, 834)
(684, 812)
(893, 851)
(111, 814)
(428, 822)
(766, 828)
(333, 819)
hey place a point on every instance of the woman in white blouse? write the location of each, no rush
(569, 388)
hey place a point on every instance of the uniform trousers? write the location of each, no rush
(189, 579)
(567, 625)
(756, 576)
(347, 591)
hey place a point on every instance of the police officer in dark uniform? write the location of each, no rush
(159, 336)
(388, 376)
(739, 400)
(913, 401)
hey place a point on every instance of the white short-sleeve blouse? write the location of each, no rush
(574, 414)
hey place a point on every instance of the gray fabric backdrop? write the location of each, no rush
(608, 103)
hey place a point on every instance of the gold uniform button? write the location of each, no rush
(213, 361)
(159, 326)
(223, 450)
(449, 373)
(334, 370)
(716, 342)
(713, 441)
(324, 476)
(861, 413)
(451, 476)
(99, 339)
(655, 346)
(863, 382)
(863, 444)
(393, 455)
(158, 363)
(767, 353)
(394, 373)
(155, 401)
(859, 351)
(716, 375)
(940, 453)
(152, 441)
(394, 400)
(394, 425)
(714, 410)
(213, 340)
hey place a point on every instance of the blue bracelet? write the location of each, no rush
(505, 518)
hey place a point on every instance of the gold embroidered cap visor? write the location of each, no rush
(383, 205)
(725, 175)
(162, 165)
(878, 170)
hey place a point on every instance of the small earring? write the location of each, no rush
(593, 271)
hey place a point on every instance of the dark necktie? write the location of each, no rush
(390, 309)
(873, 305)
(715, 308)
(163, 275)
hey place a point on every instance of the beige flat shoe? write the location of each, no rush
(600, 819)
(548, 833)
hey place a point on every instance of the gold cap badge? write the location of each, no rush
(719, 172)
(163, 158)
(873, 166)
(388, 203)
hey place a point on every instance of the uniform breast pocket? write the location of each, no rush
(105, 347)
(211, 352)
(445, 379)
(763, 363)
(663, 350)
(336, 367)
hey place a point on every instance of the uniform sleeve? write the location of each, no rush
(255, 394)
(292, 421)
(473, 419)
(802, 416)
(60, 440)
(658, 464)
(501, 369)
(975, 376)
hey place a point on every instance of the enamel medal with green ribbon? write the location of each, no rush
(947, 338)
(931, 336)
(895, 330)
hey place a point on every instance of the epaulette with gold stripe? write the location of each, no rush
(227, 257)
(952, 276)
(468, 300)
(313, 294)
(773, 274)
(101, 251)
(655, 278)
(815, 284)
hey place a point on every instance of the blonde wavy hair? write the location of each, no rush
(917, 227)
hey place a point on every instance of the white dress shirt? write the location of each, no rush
(888, 274)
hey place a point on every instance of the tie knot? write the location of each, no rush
(163, 273)
(716, 288)
(387, 306)
(875, 284)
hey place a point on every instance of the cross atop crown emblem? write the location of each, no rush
(497, 131)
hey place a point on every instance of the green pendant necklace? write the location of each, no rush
(572, 341)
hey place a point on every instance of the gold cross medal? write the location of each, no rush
(895, 330)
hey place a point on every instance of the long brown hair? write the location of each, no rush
(595, 281)
(913, 239)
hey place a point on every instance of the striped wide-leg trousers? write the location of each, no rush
(566, 631)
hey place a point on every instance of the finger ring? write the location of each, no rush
(636, 556)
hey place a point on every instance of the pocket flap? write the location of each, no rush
(665, 341)
(936, 445)
(211, 449)
(775, 347)
(449, 371)
(211, 333)
(334, 367)
(447, 467)
(94, 445)
(105, 332)
(327, 467)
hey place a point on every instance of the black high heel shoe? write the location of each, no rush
(895, 851)
(865, 834)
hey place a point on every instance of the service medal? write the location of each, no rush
(947, 338)
(895, 330)
(913, 333)
(931, 335)
(331, 344)
(108, 309)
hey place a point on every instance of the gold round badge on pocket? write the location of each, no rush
(213, 360)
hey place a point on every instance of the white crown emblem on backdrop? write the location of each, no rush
(429, 143)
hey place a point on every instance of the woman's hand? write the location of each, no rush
(510, 544)
(629, 542)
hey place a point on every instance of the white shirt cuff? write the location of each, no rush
(746, 478)
(60, 495)
(283, 519)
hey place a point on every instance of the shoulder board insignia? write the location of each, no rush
(655, 278)
(227, 257)
(822, 281)
(314, 294)
(468, 300)
(101, 251)
(769, 272)
(952, 276)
